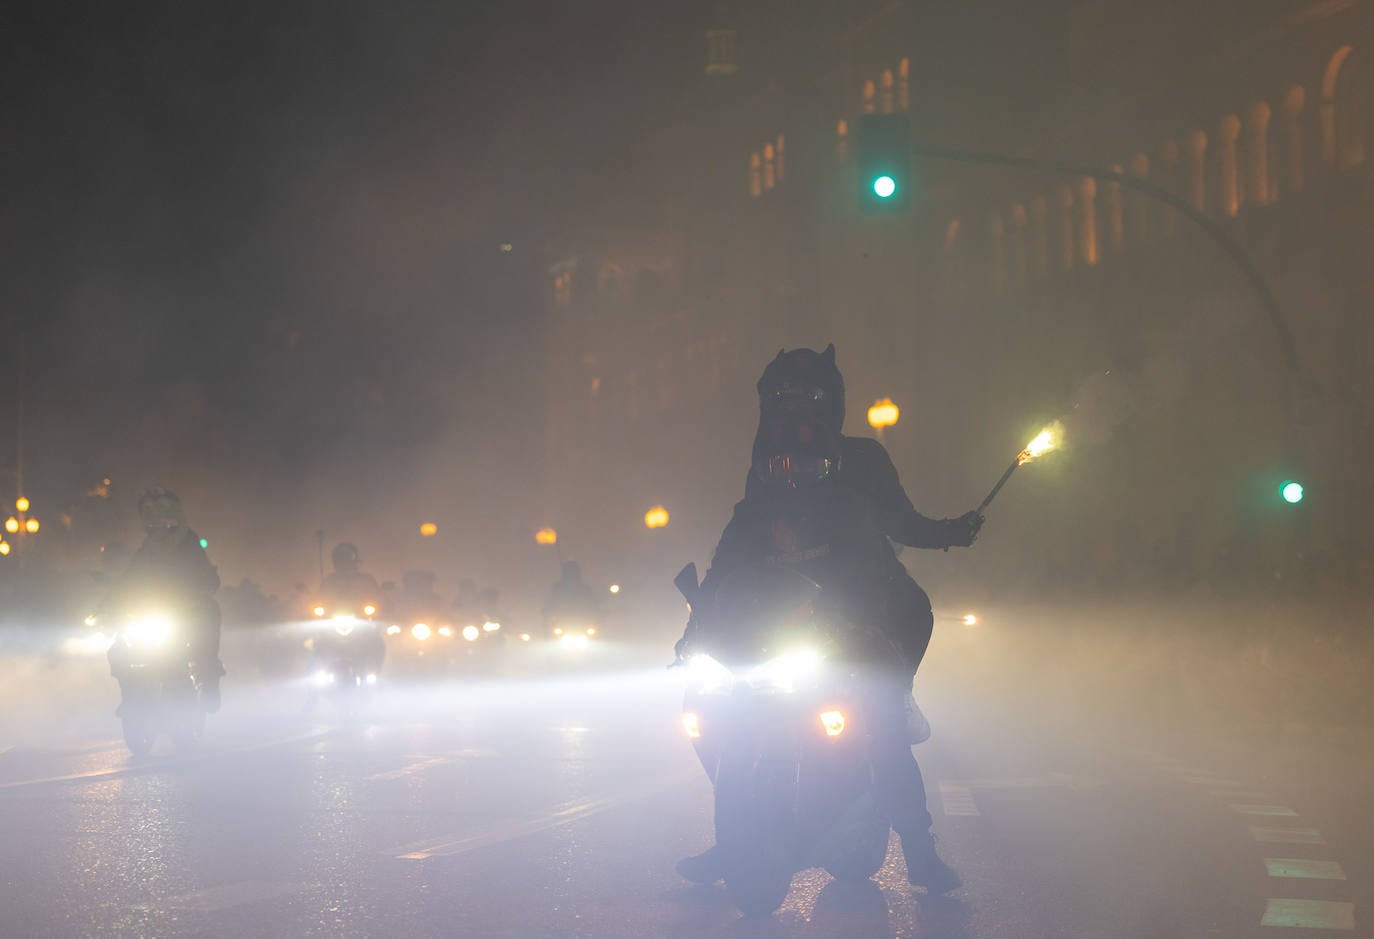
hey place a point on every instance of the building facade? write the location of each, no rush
(1003, 298)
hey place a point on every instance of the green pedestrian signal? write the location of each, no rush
(883, 163)
(1291, 491)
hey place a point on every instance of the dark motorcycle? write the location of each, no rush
(347, 659)
(159, 689)
(778, 715)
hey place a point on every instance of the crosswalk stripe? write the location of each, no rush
(1287, 835)
(1304, 868)
(957, 799)
(1309, 914)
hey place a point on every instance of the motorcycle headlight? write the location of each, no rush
(393, 630)
(318, 611)
(343, 625)
(446, 631)
(786, 671)
(707, 673)
(420, 631)
(574, 642)
(369, 609)
(470, 633)
(148, 631)
(322, 678)
(491, 626)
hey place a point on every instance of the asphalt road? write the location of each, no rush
(556, 804)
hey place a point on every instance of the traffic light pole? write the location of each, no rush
(1215, 231)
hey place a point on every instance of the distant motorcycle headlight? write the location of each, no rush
(575, 643)
(446, 631)
(491, 626)
(420, 631)
(393, 630)
(591, 630)
(471, 632)
(371, 678)
(369, 610)
(148, 631)
(322, 678)
(832, 722)
(318, 611)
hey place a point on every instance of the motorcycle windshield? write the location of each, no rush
(759, 612)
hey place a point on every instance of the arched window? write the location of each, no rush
(904, 85)
(997, 245)
(1140, 205)
(870, 94)
(1087, 220)
(755, 175)
(780, 163)
(1197, 170)
(1115, 225)
(1342, 125)
(1294, 101)
(842, 140)
(1020, 259)
(885, 98)
(1169, 161)
(1040, 237)
(1227, 134)
(769, 175)
(1257, 153)
(1066, 247)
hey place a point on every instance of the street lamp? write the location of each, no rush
(883, 414)
(31, 526)
(546, 536)
(4, 548)
(12, 525)
(21, 505)
(657, 517)
(429, 530)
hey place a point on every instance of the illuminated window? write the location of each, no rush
(1342, 125)
(886, 95)
(1040, 237)
(1228, 133)
(769, 174)
(997, 242)
(1169, 160)
(870, 93)
(1140, 206)
(1197, 166)
(842, 140)
(781, 160)
(1115, 224)
(1066, 249)
(563, 288)
(1087, 220)
(1293, 103)
(755, 175)
(904, 85)
(1257, 154)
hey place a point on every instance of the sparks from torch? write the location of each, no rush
(1042, 444)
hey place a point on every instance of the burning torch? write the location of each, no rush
(1042, 444)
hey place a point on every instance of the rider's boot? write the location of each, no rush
(704, 868)
(924, 867)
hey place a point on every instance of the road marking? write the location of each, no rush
(1287, 835)
(229, 896)
(1242, 796)
(1211, 781)
(1245, 808)
(1304, 868)
(427, 762)
(1049, 781)
(1309, 914)
(957, 798)
(151, 766)
(450, 846)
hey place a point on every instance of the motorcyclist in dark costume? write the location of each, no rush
(172, 571)
(347, 588)
(827, 505)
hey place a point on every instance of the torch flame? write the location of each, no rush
(1044, 442)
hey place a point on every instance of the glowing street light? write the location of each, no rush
(4, 548)
(657, 517)
(884, 186)
(546, 536)
(1292, 491)
(12, 525)
(21, 504)
(615, 588)
(31, 526)
(883, 414)
(429, 530)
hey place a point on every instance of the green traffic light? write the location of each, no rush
(1291, 491)
(204, 543)
(884, 187)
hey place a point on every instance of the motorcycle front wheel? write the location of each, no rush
(758, 871)
(139, 734)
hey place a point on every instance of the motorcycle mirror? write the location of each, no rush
(687, 583)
